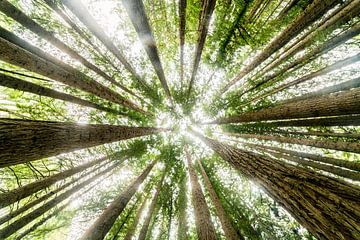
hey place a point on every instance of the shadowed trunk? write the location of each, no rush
(31, 140)
(136, 12)
(104, 222)
(286, 9)
(23, 221)
(314, 11)
(149, 214)
(182, 233)
(21, 85)
(342, 103)
(131, 229)
(204, 227)
(182, 26)
(35, 60)
(230, 232)
(327, 207)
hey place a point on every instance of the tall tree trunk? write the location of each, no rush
(342, 103)
(17, 194)
(23, 221)
(328, 144)
(21, 85)
(104, 222)
(327, 207)
(254, 9)
(204, 227)
(20, 17)
(182, 26)
(149, 215)
(286, 9)
(230, 232)
(182, 232)
(26, 207)
(79, 10)
(137, 14)
(31, 140)
(131, 229)
(314, 11)
(48, 66)
(204, 21)
(344, 86)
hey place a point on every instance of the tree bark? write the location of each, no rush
(182, 232)
(27, 140)
(204, 227)
(131, 229)
(145, 226)
(204, 21)
(342, 103)
(327, 144)
(182, 26)
(230, 232)
(48, 66)
(23, 221)
(286, 9)
(137, 14)
(104, 222)
(327, 207)
(21, 85)
(314, 11)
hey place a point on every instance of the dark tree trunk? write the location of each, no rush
(21, 85)
(149, 215)
(182, 26)
(31, 140)
(131, 229)
(230, 232)
(137, 14)
(204, 227)
(204, 21)
(337, 104)
(104, 222)
(35, 60)
(314, 11)
(327, 207)
(286, 9)
(23, 221)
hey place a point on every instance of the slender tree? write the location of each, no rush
(131, 229)
(137, 14)
(21, 85)
(230, 232)
(104, 222)
(182, 25)
(182, 232)
(149, 214)
(30, 139)
(327, 207)
(204, 227)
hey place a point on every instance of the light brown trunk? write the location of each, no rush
(102, 225)
(230, 232)
(327, 207)
(31, 140)
(131, 229)
(204, 227)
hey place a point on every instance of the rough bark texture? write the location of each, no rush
(47, 66)
(230, 232)
(131, 229)
(314, 11)
(23, 221)
(328, 144)
(182, 25)
(342, 103)
(104, 222)
(327, 207)
(182, 231)
(21, 85)
(136, 12)
(208, 7)
(149, 215)
(27, 140)
(204, 227)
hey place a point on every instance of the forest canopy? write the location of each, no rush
(180, 119)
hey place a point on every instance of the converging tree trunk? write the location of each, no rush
(182, 232)
(327, 207)
(230, 232)
(182, 25)
(204, 227)
(131, 229)
(149, 214)
(31, 140)
(104, 222)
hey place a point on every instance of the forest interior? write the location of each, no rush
(180, 119)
